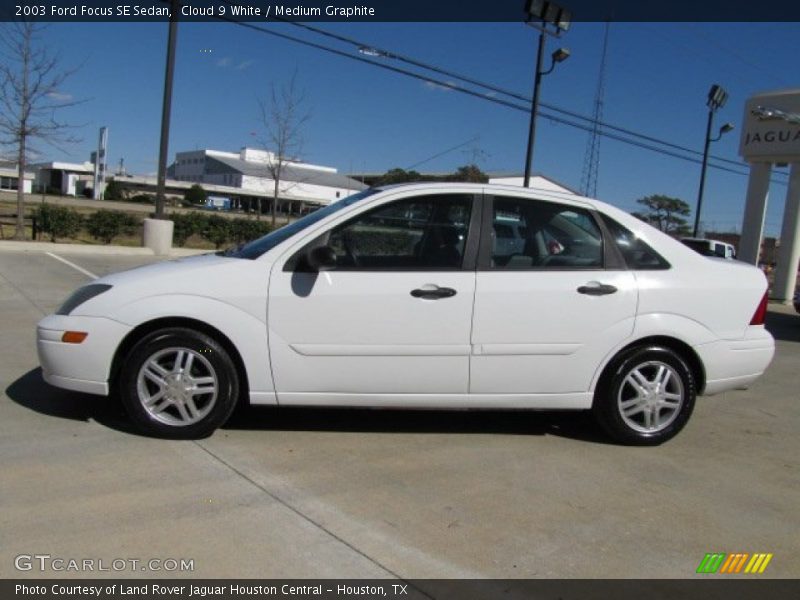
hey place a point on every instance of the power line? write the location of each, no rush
(443, 152)
(381, 52)
(484, 96)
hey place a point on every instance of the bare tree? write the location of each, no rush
(283, 117)
(31, 81)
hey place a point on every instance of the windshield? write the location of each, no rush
(263, 244)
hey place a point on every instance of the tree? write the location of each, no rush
(400, 176)
(31, 82)
(470, 174)
(196, 194)
(665, 213)
(283, 118)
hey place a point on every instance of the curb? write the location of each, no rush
(16, 246)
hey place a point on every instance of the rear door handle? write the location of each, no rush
(433, 292)
(595, 288)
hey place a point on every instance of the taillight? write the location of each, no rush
(761, 312)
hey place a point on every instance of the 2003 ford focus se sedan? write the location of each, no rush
(423, 296)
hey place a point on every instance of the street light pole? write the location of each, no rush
(545, 13)
(537, 81)
(703, 173)
(716, 99)
(166, 109)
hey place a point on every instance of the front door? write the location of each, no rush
(390, 322)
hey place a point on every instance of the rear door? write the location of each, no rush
(550, 310)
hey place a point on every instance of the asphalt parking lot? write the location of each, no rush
(359, 493)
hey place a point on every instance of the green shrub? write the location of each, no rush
(58, 221)
(245, 230)
(217, 230)
(105, 224)
(187, 224)
(113, 191)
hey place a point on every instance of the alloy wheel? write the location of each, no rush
(650, 397)
(177, 386)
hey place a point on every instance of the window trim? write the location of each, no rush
(611, 258)
(471, 245)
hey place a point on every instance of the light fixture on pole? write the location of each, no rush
(541, 15)
(716, 99)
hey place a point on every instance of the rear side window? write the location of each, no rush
(637, 254)
(534, 234)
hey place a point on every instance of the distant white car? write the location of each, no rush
(710, 247)
(406, 297)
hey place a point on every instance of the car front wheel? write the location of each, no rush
(178, 383)
(647, 398)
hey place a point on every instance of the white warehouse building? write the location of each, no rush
(247, 173)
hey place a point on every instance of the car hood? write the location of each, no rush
(234, 281)
(166, 269)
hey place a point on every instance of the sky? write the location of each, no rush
(368, 119)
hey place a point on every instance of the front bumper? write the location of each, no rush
(83, 367)
(735, 364)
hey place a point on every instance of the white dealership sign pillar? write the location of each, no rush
(771, 135)
(754, 210)
(789, 253)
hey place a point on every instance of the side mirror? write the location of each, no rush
(321, 258)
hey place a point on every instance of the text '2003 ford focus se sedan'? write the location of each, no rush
(426, 295)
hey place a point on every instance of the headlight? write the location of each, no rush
(81, 295)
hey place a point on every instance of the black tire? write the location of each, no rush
(170, 416)
(628, 408)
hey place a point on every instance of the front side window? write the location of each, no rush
(424, 232)
(257, 247)
(534, 234)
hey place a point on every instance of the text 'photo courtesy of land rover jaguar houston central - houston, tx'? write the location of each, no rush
(423, 296)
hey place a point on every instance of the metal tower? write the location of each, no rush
(591, 160)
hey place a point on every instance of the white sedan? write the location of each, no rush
(403, 297)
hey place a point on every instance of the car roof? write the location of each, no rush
(545, 194)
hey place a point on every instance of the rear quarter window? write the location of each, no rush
(638, 255)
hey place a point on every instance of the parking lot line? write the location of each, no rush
(73, 265)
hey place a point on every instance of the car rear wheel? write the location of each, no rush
(647, 396)
(178, 383)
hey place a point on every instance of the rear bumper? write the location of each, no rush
(83, 367)
(735, 364)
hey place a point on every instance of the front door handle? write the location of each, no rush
(595, 288)
(433, 292)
